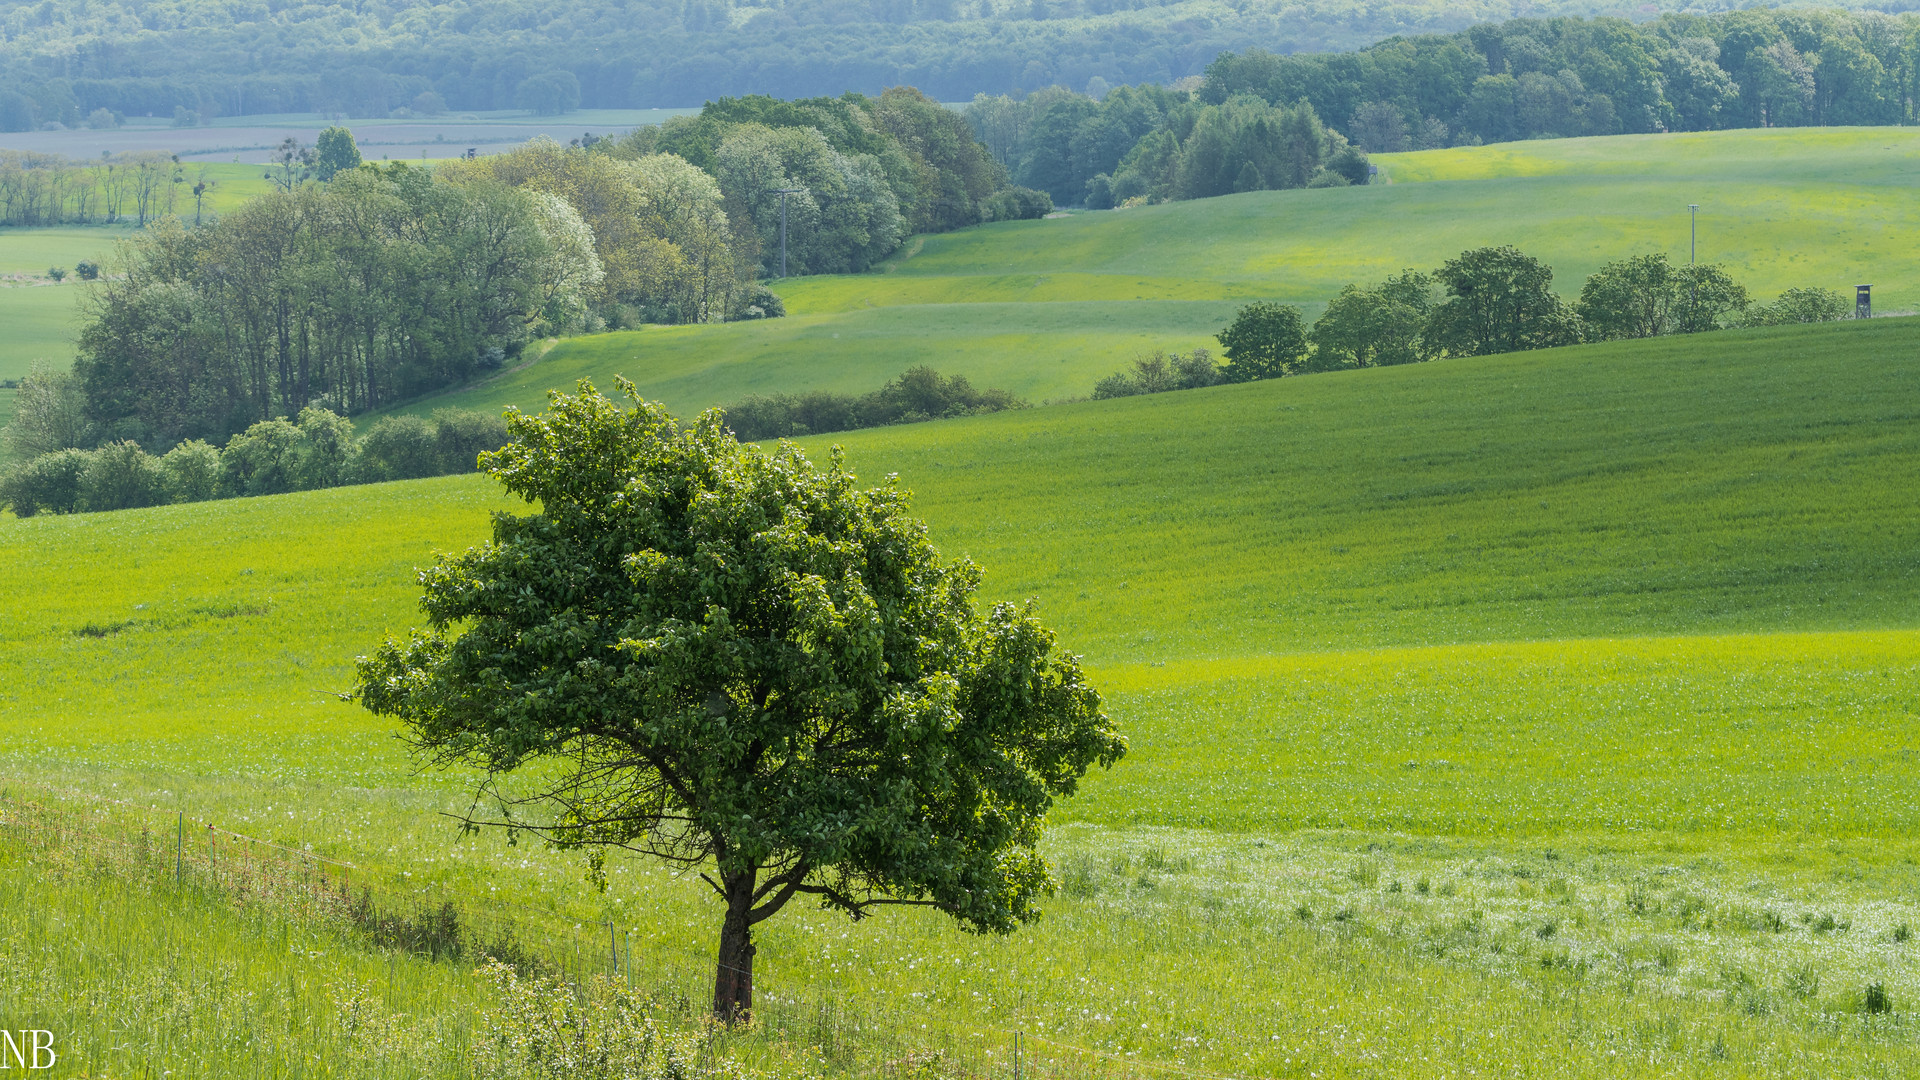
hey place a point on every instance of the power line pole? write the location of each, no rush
(1693, 250)
(783, 193)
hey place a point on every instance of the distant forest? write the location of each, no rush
(61, 60)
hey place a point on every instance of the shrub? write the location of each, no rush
(1016, 204)
(88, 270)
(1800, 306)
(1265, 341)
(756, 301)
(325, 447)
(918, 394)
(191, 472)
(398, 448)
(57, 273)
(50, 482)
(264, 459)
(1160, 372)
(121, 476)
(462, 435)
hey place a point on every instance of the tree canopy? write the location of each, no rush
(1499, 299)
(1264, 341)
(733, 661)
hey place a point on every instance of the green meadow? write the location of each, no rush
(1547, 714)
(1047, 308)
(37, 320)
(40, 326)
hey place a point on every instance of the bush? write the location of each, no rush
(88, 270)
(398, 448)
(264, 459)
(326, 446)
(1016, 204)
(1800, 306)
(191, 472)
(410, 447)
(918, 394)
(57, 273)
(1265, 341)
(756, 301)
(1161, 372)
(121, 476)
(462, 435)
(50, 482)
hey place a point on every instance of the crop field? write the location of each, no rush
(252, 137)
(1547, 714)
(1008, 304)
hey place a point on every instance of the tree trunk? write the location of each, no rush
(733, 976)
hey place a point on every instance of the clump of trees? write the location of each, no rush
(378, 286)
(920, 393)
(1153, 144)
(316, 449)
(863, 173)
(1158, 372)
(39, 189)
(658, 227)
(1488, 300)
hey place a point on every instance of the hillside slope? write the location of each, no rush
(1368, 635)
(1047, 308)
(1742, 481)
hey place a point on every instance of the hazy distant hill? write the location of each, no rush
(369, 58)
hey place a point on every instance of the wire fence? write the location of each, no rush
(169, 849)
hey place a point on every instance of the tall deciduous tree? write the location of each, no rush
(1645, 296)
(334, 152)
(1376, 325)
(1265, 341)
(729, 660)
(1499, 300)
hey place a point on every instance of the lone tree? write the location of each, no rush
(726, 659)
(335, 152)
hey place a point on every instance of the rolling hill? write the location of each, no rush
(1569, 695)
(1047, 308)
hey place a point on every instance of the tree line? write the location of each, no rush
(377, 286)
(920, 393)
(1488, 300)
(1259, 119)
(51, 189)
(1541, 78)
(317, 449)
(1154, 144)
(353, 286)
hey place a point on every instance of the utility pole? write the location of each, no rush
(1693, 251)
(783, 193)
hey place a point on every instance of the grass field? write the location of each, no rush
(1047, 308)
(39, 327)
(1546, 715)
(37, 321)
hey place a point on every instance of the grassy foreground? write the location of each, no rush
(1540, 715)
